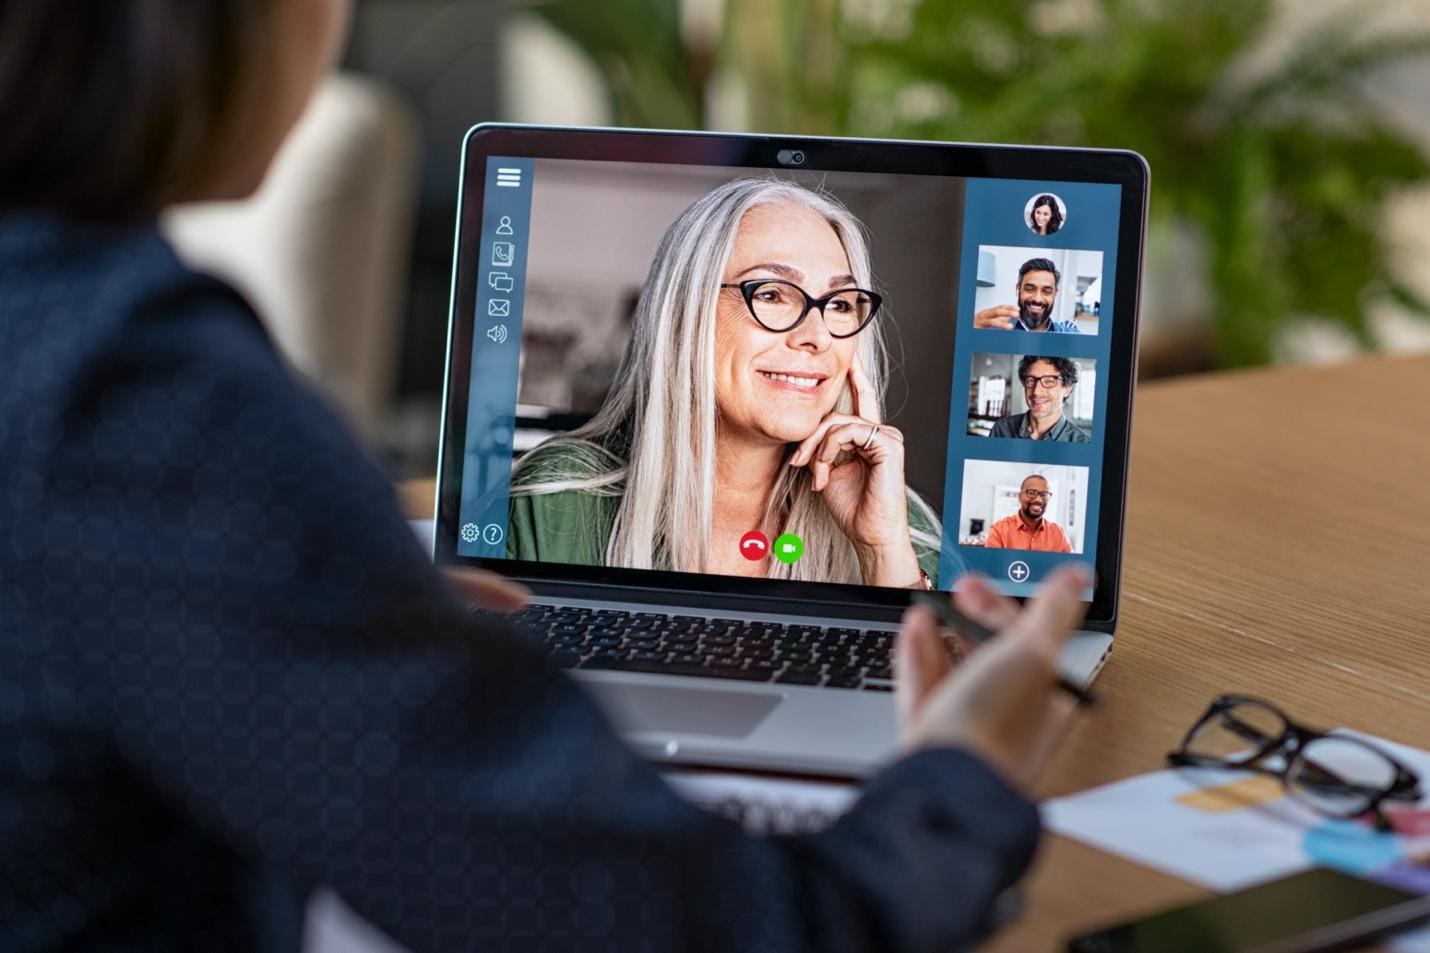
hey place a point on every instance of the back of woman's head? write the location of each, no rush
(113, 108)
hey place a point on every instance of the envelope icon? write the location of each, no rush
(499, 307)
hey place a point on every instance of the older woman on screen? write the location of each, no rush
(750, 397)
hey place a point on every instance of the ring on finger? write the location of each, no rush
(873, 432)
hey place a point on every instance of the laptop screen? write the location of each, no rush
(844, 378)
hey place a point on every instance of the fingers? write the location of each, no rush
(866, 402)
(489, 590)
(1057, 609)
(872, 441)
(808, 446)
(1000, 317)
(920, 661)
(977, 598)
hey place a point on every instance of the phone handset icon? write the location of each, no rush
(754, 545)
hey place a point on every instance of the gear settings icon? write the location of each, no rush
(471, 532)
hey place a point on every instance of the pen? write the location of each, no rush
(977, 633)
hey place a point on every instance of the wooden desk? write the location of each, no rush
(1278, 542)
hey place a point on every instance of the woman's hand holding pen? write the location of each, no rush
(865, 492)
(999, 704)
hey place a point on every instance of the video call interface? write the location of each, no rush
(855, 378)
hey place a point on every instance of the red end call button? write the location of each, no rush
(754, 545)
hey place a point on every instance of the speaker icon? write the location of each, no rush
(497, 333)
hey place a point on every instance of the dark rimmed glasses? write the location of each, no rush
(1335, 774)
(781, 306)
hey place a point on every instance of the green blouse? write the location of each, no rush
(574, 526)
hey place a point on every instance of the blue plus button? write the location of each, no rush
(1019, 571)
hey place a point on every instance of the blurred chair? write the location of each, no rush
(322, 250)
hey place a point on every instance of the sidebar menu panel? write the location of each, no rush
(496, 357)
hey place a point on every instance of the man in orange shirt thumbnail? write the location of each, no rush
(1026, 529)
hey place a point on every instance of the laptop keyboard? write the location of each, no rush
(654, 642)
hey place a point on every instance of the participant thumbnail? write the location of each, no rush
(1045, 213)
(1027, 506)
(1031, 396)
(1038, 289)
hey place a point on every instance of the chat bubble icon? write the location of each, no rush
(500, 281)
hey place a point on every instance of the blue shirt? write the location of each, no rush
(228, 674)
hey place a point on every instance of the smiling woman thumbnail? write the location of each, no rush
(750, 397)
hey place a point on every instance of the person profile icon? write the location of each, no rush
(504, 227)
(1045, 213)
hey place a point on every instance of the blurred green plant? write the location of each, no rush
(1266, 145)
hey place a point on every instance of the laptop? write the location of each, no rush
(725, 401)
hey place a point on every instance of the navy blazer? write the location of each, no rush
(229, 674)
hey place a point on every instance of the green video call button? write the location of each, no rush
(789, 548)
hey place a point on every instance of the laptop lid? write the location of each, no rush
(788, 374)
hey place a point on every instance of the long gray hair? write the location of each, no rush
(653, 442)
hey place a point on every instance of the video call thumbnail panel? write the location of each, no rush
(1032, 396)
(1038, 289)
(1025, 506)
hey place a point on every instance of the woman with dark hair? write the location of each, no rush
(228, 673)
(1046, 217)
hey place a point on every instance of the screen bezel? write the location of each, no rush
(740, 151)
